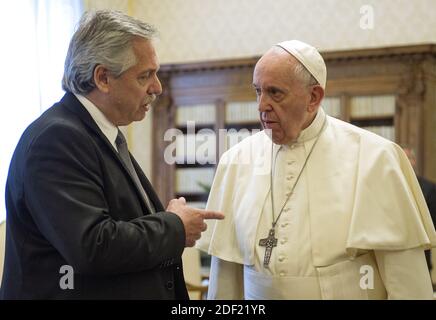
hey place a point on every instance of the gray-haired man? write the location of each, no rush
(77, 201)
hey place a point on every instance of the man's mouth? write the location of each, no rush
(269, 122)
(271, 125)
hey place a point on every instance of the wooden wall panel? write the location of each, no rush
(408, 72)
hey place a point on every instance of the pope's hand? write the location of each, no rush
(192, 218)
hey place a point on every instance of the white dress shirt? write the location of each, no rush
(107, 127)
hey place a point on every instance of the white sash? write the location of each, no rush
(259, 286)
(357, 279)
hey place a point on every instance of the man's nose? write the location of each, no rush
(264, 103)
(156, 87)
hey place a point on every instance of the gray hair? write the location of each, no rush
(103, 38)
(299, 70)
(303, 74)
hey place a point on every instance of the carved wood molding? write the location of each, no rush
(410, 103)
(163, 118)
(405, 71)
(331, 57)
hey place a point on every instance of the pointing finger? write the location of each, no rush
(212, 215)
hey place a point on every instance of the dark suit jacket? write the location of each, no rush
(71, 201)
(429, 190)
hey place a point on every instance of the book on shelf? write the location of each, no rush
(199, 113)
(237, 112)
(193, 180)
(372, 106)
(332, 106)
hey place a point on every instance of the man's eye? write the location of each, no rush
(143, 79)
(145, 76)
(258, 91)
(275, 93)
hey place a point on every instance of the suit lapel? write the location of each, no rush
(147, 186)
(72, 104)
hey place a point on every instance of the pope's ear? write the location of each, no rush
(101, 78)
(316, 95)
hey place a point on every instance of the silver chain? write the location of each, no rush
(296, 181)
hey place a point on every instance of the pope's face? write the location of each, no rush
(132, 93)
(283, 99)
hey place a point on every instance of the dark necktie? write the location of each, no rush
(124, 154)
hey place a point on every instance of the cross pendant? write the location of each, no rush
(269, 243)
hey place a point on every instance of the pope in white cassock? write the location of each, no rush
(317, 208)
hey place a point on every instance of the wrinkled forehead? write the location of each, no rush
(275, 62)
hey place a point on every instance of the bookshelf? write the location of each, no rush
(195, 165)
(389, 91)
(199, 143)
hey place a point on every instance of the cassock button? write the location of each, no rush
(284, 224)
(281, 258)
(287, 209)
(283, 241)
(282, 274)
(289, 178)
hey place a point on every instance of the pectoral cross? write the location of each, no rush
(269, 243)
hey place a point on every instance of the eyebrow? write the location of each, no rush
(150, 70)
(269, 88)
(276, 88)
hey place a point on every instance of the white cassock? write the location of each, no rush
(355, 226)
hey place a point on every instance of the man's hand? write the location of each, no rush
(193, 219)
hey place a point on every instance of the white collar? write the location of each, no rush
(311, 132)
(314, 129)
(107, 127)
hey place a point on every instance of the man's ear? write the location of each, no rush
(101, 78)
(316, 95)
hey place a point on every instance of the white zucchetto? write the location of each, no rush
(309, 57)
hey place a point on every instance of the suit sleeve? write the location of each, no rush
(431, 202)
(65, 194)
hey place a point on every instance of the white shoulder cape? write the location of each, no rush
(363, 195)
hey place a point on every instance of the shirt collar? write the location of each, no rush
(314, 129)
(107, 127)
(311, 132)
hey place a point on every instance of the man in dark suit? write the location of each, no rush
(83, 221)
(429, 191)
